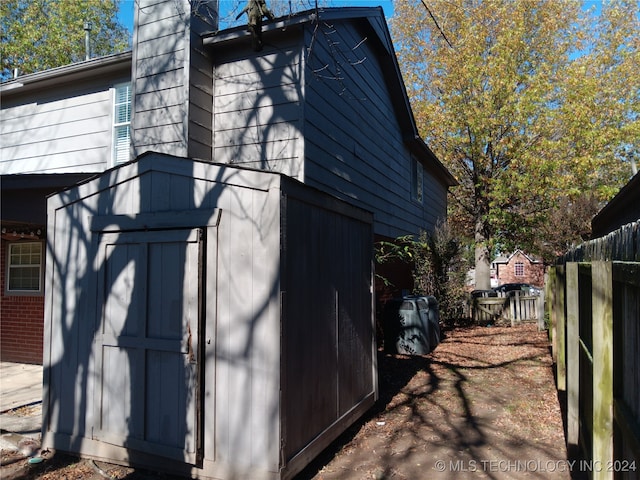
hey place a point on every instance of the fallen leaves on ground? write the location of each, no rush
(483, 402)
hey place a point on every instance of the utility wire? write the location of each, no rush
(436, 22)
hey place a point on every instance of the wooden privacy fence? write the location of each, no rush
(595, 312)
(513, 308)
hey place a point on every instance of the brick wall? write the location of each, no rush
(533, 272)
(21, 322)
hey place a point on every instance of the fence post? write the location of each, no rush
(540, 311)
(550, 287)
(602, 301)
(559, 309)
(573, 357)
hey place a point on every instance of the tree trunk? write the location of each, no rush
(483, 273)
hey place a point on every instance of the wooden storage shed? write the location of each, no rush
(204, 319)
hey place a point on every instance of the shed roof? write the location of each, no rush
(222, 173)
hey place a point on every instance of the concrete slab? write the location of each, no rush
(20, 406)
(20, 427)
(20, 384)
(26, 421)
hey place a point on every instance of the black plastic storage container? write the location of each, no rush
(407, 328)
(433, 315)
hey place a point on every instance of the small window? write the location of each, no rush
(121, 123)
(417, 180)
(24, 273)
(519, 269)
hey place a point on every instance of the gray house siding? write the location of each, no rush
(181, 319)
(257, 109)
(355, 146)
(173, 78)
(436, 198)
(345, 102)
(60, 129)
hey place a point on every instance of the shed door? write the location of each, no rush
(147, 342)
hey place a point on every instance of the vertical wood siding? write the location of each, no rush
(58, 130)
(257, 110)
(247, 358)
(241, 336)
(327, 323)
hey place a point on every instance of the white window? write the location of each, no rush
(417, 180)
(24, 271)
(121, 123)
(519, 269)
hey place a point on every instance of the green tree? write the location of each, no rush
(497, 87)
(42, 34)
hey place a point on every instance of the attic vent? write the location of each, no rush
(87, 44)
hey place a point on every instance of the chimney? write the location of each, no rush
(172, 78)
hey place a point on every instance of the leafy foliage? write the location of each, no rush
(42, 34)
(439, 266)
(440, 270)
(530, 104)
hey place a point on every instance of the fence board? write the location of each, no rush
(585, 374)
(551, 288)
(515, 308)
(561, 321)
(626, 287)
(602, 301)
(572, 357)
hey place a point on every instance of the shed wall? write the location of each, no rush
(240, 338)
(329, 344)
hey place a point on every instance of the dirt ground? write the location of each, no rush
(482, 405)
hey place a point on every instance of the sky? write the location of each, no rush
(126, 7)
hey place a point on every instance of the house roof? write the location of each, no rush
(373, 19)
(505, 260)
(75, 72)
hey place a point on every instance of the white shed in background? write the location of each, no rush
(205, 319)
